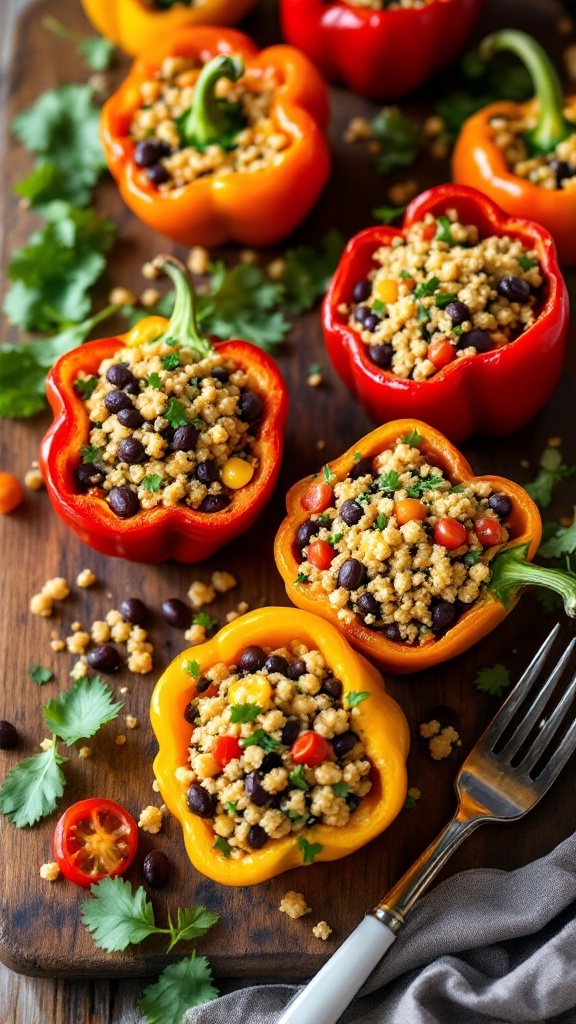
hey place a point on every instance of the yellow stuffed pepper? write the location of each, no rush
(278, 746)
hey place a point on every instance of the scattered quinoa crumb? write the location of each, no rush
(402, 192)
(78, 642)
(122, 297)
(79, 670)
(155, 786)
(314, 380)
(58, 645)
(322, 930)
(86, 578)
(85, 753)
(294, 905)
(434, 126)
(195, 635)
(140, 662)
(124, 690)
(429, 729)
(569, 56)
(414, 793)
(230, 616)
(223, 582)
(198, 260)
(150, 819)
(131, 722)
(242, 607)
(41, 604)
(76, 626)
(120, 740)
(201, 593)
(49, 871)
(554, 442)
(441, 741)
(524, 463)
(564, 26)
(33, 480)
(321, 444)
(46, 743)
(100, 631)
(149, 297)
(276, 268)
(56, 588)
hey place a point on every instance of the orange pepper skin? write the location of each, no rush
(135, 27)
(11, 493)
(478, 161)
(254, 209)
(380, 723)
(525, 528)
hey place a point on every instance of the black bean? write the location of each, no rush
(306, 531)
(442, 615)
(392, 632)
(203, 684)
(276, 663)
(149, 152)
(480, 340)
(332, 687)
(257, 837)
(219, 373)
(562, 171)
(361, 468)
(130, 417)
(190, 713)
(501, 504)
(296, 669)
(351, 574)
(87, 475)
(458, 312)
(116, 400)
(131, 450)
(185, 438)
(207, 472)
(381, 355)
(133, 610)
(367, 604)
(254, 789)
(361, 312)
(177, 613)
(250, 406)
(271, 760)
(252, 659)
(105, 658)
(119, 375)
(8, 735)
(200, 801)
(213, 503)
(344, 743)
(350, 512)
(515, 289)
(157, 174)
(290, 732)
(156, 869)
(371, 322)
(362, 290)
(123, 502)
(133, 388)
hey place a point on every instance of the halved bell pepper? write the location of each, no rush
(157, 534)
(257, 208)
(491, 393)
(384, 53)
(135, 25)
(478, 161)
(510, 568)
(380, 723)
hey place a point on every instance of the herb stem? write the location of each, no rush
(510, 571)
(182, 327)
(209, 119)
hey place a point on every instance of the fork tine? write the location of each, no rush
(557, 761)
(548, 729)
(533, 714)
(506, 712)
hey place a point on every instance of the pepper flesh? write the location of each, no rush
(478, 161)
(382, 54)
(491, 393)
(255, 209)
(379, 722)
(510, 568)
(157, 534)
(135, 27)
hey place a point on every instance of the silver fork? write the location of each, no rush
(489, 788)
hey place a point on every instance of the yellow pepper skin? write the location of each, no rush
(379, 722)
(135, 26)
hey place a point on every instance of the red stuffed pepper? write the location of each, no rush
(381, 51)
(459, 318)
(163, 445)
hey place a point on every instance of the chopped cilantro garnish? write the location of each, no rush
(471, 557)
(204, 619)
(153, 380)
(430, 483)
(244, 713)
(551, 472)
(340, 789)
(388, 214)
(422, 314)
(327, 474)
(85, 386)
(458, 330)
(441, 299)
(41, 675)
(314, 369)
(301, 578)
(357, 456)
(259, 738)
(231, 807)
(526, 262)
(493, 680)
(199, 423)
(444, 231)
(175, 413)
(324, 519)
(90, 454)
(152, 482)
(221, 844)
(409, 803)
(378, 306)
(363, 499)
(192, 668)
(355, 697)
(405, 275)
(308, 850)
(294, 816)
(333, 539)
(381, 522)
(459, 489)
(426, 287)
(171, 361)
(413, 438)
(388, 482)
(399, 139)
(296, 778)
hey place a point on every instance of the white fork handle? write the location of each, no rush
(325, 998)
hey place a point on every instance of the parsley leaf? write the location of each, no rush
(152, 482)
(97, 52)
(355, 697)
(223, 846)
(192, 668)
(41, 675)
(307, 272)
(259, 738)
(388, 214)
(552, 471)
(81, 711)
(493, 680)
(175, 413)
(413, 438)
(85, 386)
(32, 788)
(244, 712)
(422, 314)
(340, 789)
(309, 850)
(296, 778)
(180, 986)
(399, 140)
(204, 619)
(563, 541)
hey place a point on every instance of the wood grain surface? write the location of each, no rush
(40, 929)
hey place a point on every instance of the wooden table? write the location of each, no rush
(37, 546)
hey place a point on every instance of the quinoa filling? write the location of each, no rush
(388, 5)
(273, 750)
(553, 170)
(442, 293)
(167, 428)
(401, 547)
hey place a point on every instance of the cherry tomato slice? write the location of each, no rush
(441, 352)
(450, 533)
(317, 498)
(225, 749)
(320, 554)
(312, 749)
(428, 231)
(488, 531)
(407, 509)
(94, 838)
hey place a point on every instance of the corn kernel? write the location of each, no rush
(253, 689)
(386, 291)
(236, 473)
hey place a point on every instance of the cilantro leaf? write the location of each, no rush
(97, 52)
(429, 483)
(340, 789)
(175, 413)
(309, 850)
(231, 807)
(301, 578)
(307, 272)
(442, 299)
(355, 697)
(152, 482)
(244, 712)
(388, 214)
(562, 542)
(171, 361)
(223, 846)
(192, 668)
(85, 386)
(259, 738)
(552, 471)
(192, 922)
(471, 557)
(381, 522)
(409, 803)
(242, 303)
(117, 917)
(41, 675)
(388, 481)
(426, 287)
(154, 380)
(399, 138)
(444, 231)
(32, 788)
(90, 454)
(526, 262)
(493, 680)
(180, 986)
(413, 438)
(327, 474)
(204, 619)
(296, 778)
(81, 711)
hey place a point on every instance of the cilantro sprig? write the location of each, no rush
(179, 987)
(308, 850)
(551, 473)
(493, 680)
(41, 675)
(355, 697)
(244, 713)
(259, 738)
(398, 137)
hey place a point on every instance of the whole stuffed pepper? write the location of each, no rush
(278, 746)
(378, 48)
(413, 557)
(136, 25)
(163, 445)
(523, 155)
(212, 141)
(460, 317)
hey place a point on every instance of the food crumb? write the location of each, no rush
(150, 819)
(524, 463)
(195, 635)
(78, 642)
(131, 722)
(46, 743)
(33, 480)
(242, 607)
(85, 753)
(554, 442)
(322, 930)
(321, 444)
(49, 871)
(200, 593)
(294, 905)
(434, 126)
(79, 670)
(358, 129)
(230, 616)
(414, 793)
(441, 741)
(76, 626)
(120, 740)
(140, 662)
(86, 578)
(198, 260)
(249, 256)
(124, 690)
(276, 269)
(155, 786)
(58, 644)
(41, 604)
(56, 588)
(100, 631)
(429, 729)
(564, 26)
(122, 297)
(402, 192)
(223, 582)
(314, 380)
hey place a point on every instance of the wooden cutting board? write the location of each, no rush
(40, 928)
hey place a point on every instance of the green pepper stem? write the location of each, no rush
(552, 126)
(210, 120)
(182, 327)
(510, 571)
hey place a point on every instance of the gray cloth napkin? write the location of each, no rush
(484, 947)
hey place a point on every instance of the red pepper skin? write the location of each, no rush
(379, 54)
(493, 393)
(157, 534)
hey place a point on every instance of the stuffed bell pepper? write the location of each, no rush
(459, 318)
(278, 746)
(136, 25)
(379, 48)
(212, 141)
(164, 445)
(413, 557)
(523, 155)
